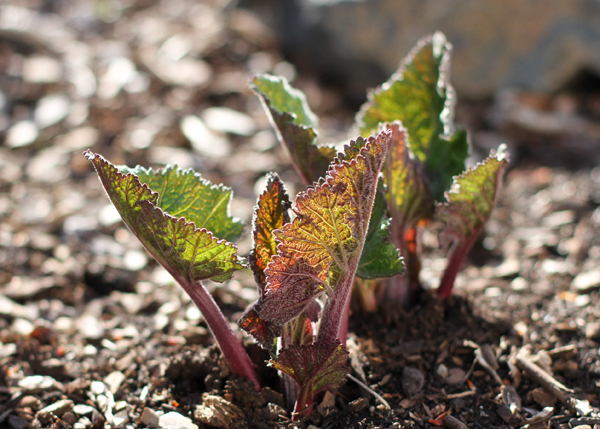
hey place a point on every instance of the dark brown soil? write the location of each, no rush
(87, 318)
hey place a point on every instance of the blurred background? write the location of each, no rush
(153, 82)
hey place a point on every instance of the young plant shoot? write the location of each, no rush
(410, 168)
(426, 154)
(183, 221)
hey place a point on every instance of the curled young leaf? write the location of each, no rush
(185, 249)
(468, 207)
(295, 125)
(407, 190)
(419, 95)
(315, 368)
(262, 330)
(270, 214)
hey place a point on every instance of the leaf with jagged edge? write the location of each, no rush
(315, 368)
(380, 257)
(183, 248)
(270, 214)
(295, 125)
(469, 205)
(184, 193)
(407, 189)
(471, 198)
(320, 249)
(419, 95)
(262, 330)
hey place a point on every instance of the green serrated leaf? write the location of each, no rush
(295, 125)
(419, 95)
(471, 198)
(320, 250)
(184, 193)
(469, 205)
(270, 213)
(315, 368)
(380, 258)
(178, 245)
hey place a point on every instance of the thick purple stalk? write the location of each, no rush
(304, 404)
(231, 347)
(458, 254)
(334, 312)
(345, 317)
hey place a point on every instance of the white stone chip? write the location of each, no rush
(203, 139)
(175, 420)
(135, 260)
(149, 418)
(120, 419)
(52, 109)
(42, 69)
(227, 120)
(22, 133)
(586, 281)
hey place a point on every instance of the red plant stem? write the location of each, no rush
(335, 311)
(344, 326)
(304, 404)
(230, 345)
(459, 252)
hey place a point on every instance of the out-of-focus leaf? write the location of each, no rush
(445, 160)
(419, 95)
(469, 205)
(270, 213)
(407, 190)
(184, 249)
(295, 125)
(472, 198)
(315, 368)
(380, 258)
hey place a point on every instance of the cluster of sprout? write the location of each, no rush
(355, 227)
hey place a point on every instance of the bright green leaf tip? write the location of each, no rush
(286, 99)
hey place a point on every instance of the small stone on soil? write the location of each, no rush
(412, 380)
(83, 410)
(453, 423)
(175, 420)
(456, 376)
(358, 405)
(586, 281)
(114, 380)
(149, 418)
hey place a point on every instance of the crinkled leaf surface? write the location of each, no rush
(419, 95)
(315, 367)
(320, 249)
(295, 125)
(380, 258)
(471, 199)
(407, 189)
(177, 244)
(184, 193)
(263, 331)
(270, 213)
